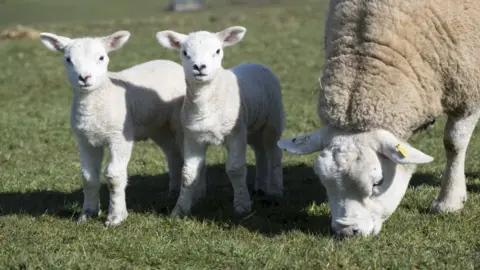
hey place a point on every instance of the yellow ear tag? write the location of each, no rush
(401, 150)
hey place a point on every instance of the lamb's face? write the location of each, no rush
(365, 175)
(202, 55)
(201, 52)
(86, 63)
(86, 59)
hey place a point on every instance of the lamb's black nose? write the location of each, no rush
(84, 78)
(197, 68)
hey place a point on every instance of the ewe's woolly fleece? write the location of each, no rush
(396, 64)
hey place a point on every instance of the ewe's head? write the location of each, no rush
(86, 59)
(365, 174)
(202, 51)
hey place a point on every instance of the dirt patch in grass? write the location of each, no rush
(20, 32)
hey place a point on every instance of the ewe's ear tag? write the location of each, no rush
(401, 150)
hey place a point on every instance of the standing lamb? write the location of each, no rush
(112, 110)
(391, 67)
(234, 107)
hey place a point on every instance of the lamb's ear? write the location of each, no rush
(53, 42)
(304, 144)
(231, 35)
(398, 151)
(171, 39)
(116, 40)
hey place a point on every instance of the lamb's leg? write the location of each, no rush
(116, 176)
(275, 173)
(192, 176)
(261, 164)
(261, 171)
(237, 171)
(453, 192)
(91, 163)
(271, 135)
(167, 142)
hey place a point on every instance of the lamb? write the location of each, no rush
(113, 109)
(391, 67)
(234, 107)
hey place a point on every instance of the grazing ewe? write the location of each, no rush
(236, 107)
(113, 110)
(391, 67)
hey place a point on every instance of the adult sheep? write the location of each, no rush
(111, 110)
(391, 67)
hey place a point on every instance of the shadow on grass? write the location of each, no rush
(423, 179)
(147, 194)
(473, 187)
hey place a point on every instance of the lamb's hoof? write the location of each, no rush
(242, 208)
(448, 206)
(178, 211)
(116, 219)
(87, 214)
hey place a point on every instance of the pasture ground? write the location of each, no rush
(40, 193)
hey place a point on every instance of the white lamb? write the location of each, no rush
(113, 110)
(234, 107)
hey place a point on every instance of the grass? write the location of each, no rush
(40, 193)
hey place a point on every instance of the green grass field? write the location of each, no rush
(40, 184)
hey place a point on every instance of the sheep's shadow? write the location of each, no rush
(147, 194)
(473, 187)
(425, 179)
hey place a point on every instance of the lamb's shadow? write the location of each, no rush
(147, 194)
(142, 107)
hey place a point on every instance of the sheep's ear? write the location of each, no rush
(304, 144)
(54, 43)
(116, 40)
(398, 151)
(170, 39)
(231, 35)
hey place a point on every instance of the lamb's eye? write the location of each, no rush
(218, 51)
(68, 59)
(101, 58)
(378, 183)
(185, 53)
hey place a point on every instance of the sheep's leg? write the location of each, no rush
(192, 176)
(169, 145)
(261, 164)
(274, 157)
(261, 171)
(201, 188)
(91, 163)
(237, 170)
(116, 176)
(453, 192)
(275, 173)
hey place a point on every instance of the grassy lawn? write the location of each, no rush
(40, 184)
